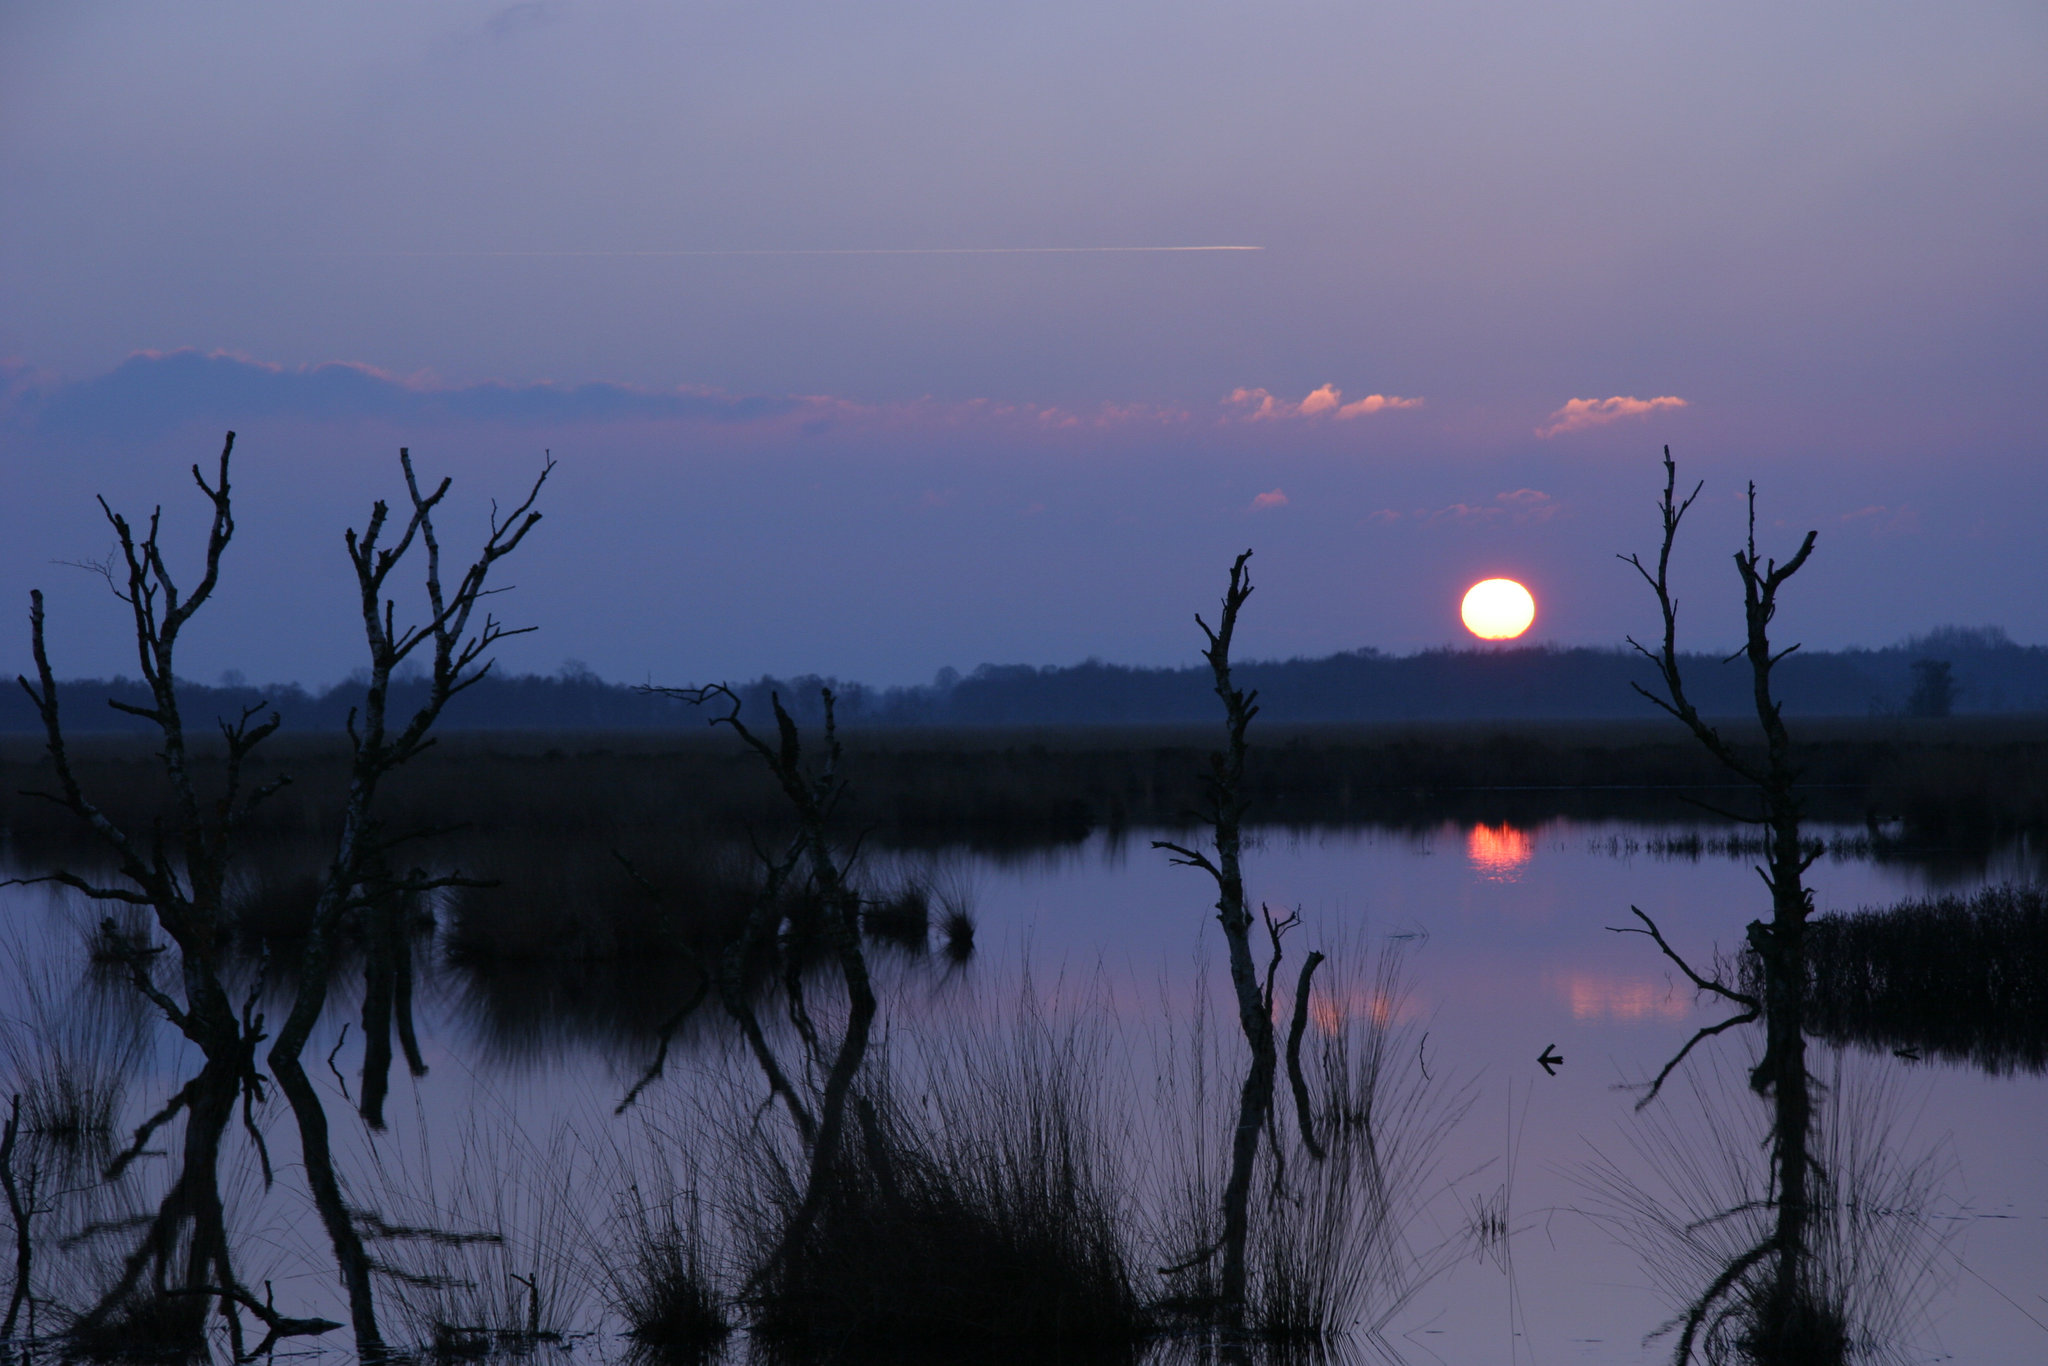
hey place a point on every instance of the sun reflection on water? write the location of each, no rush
(1498, 852)
(1595, 997)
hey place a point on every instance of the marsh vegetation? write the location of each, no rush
(742, 1048)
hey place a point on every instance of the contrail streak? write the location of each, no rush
(808, 251)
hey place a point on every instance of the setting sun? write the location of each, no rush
(1497, 609)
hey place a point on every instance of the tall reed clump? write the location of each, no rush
(493, 1256)
(659, 1280)
(984, 1214)
(900, 918)
(1328, 1255)
(69, 1048)
(1694, 1201)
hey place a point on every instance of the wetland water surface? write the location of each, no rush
(1543, 1217)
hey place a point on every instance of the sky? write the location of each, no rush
(813, 306)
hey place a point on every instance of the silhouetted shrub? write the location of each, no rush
(956, 928)
(151, 1327)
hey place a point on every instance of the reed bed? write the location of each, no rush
(658, 1279)
(70, 1045)
(1330, 1252)
(1959, 978)
(1010, 1189)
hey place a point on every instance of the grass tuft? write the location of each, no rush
(149, 1328)
(956, 931)
(657, 1281)
(985, 1219)
(1878, 1228)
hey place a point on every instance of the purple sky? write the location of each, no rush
(701, 252)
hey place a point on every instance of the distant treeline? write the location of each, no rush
(1967, 671)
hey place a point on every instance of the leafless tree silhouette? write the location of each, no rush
(1785, 1307)
(179, 871)
(1226, 809)
(810, 860)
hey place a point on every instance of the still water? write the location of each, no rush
(1504, 938)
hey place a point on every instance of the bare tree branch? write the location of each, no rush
(1657, 1086)
(1703, 983)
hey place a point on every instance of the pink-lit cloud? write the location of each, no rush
(1273, 498)
(1459, 512)
(1375, 403)
(1326, 399)
(1581, 413)
(1261, 402)
(1260, 405)
(192, 381)
(1528, 505)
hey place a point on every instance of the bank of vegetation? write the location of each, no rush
(1964, 783)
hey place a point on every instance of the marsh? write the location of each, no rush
(510, 1148)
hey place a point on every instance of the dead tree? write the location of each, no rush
(180, 870)
(809, 859)
(1226, 808)
(21, 1200)
(359, 878)
(1779, 943)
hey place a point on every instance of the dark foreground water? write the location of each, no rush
(1543, 1219)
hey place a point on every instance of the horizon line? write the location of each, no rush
(1919, 640)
